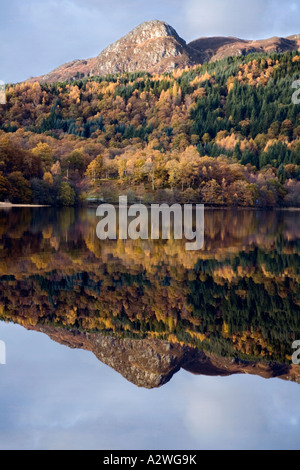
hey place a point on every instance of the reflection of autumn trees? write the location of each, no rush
(237, 296)
(69, 231)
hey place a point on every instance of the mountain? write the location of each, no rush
(155, 47)
(216, 48)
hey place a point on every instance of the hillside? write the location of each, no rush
(222, 133)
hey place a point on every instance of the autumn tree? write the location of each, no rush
(20, 188)
(5, 188)
(95, 169)
(45, 153)
(66, 195)
(75, 161)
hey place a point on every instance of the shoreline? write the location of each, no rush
(9, 204)
(206, 207)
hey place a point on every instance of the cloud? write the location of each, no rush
(53, 397)
(39, 36)
(249, 20)
(243, 412)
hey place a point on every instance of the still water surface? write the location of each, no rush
(143, 345)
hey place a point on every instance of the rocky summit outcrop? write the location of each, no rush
(150, 363)
(155, 47)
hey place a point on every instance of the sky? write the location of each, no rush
(36, 36)
(53, 397)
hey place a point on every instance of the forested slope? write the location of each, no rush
(224, 133)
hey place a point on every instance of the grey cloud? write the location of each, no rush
(257, 19)
(38, 36)
(53, 397)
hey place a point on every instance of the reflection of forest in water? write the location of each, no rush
(237, 297)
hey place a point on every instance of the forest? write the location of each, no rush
(224, 134)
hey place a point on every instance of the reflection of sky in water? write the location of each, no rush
(53, 397)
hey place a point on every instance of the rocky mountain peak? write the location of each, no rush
(150, 30)
(152, 46)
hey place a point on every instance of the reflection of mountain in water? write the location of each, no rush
(148, 309)
(151, 363)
